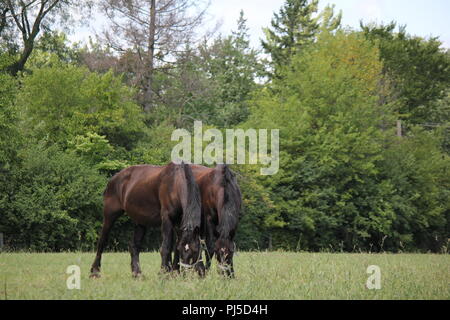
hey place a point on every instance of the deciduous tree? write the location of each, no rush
(26, 19)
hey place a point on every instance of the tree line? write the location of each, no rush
(72, 115)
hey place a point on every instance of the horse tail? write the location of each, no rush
(232, 203)
(192, 202)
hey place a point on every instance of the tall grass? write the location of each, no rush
(259, 275)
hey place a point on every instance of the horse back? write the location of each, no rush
(146, 192)
(135, 190)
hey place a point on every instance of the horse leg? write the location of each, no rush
(176, 261)
(176, 254)
(167, 243)
(109, 217)
(209, 243)
(135, 248)
(231, 270)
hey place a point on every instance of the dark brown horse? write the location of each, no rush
(165, 196)
(221, 211)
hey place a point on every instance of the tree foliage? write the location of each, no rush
(64, 101)
(296, 26)
(334, 190)
(418, 68)
(346, 181)
(25, 20)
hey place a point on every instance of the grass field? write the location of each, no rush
(271, 275)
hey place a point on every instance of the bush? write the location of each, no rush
(57, 203)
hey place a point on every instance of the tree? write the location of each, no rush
(419, 69)
(233, 66)
(294, 27)
(237, 67)
(56, 203)
(327, 192)
(439, 117)
(101, 59)
(150, 32)
(418, 172)
(62, 102)
(212, 82)
(346, 182)
(57, 43)
(8, 120)
(7, 36)
(10, 142)
(3, 16)
(29, 18)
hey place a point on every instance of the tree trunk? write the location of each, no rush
(399, 128)
(19, 65)
(148, 94)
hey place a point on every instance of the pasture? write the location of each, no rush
(259, 275)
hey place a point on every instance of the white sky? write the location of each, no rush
(423, 18)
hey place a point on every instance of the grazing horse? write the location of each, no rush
(165, 196)
(221, 211)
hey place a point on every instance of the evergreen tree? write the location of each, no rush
(295, 26)
(213, 82)
(235, 66)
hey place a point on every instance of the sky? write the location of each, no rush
(422, 18)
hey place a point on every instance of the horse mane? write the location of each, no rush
(192, 204)
(231, 203)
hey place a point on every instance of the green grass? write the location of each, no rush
(272, 275)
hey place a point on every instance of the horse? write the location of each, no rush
(165, 196)
(221, 211)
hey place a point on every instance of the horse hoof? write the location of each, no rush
(137, 275)
(95, 275)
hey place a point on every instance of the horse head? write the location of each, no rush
(224, 250)
(189, 249)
